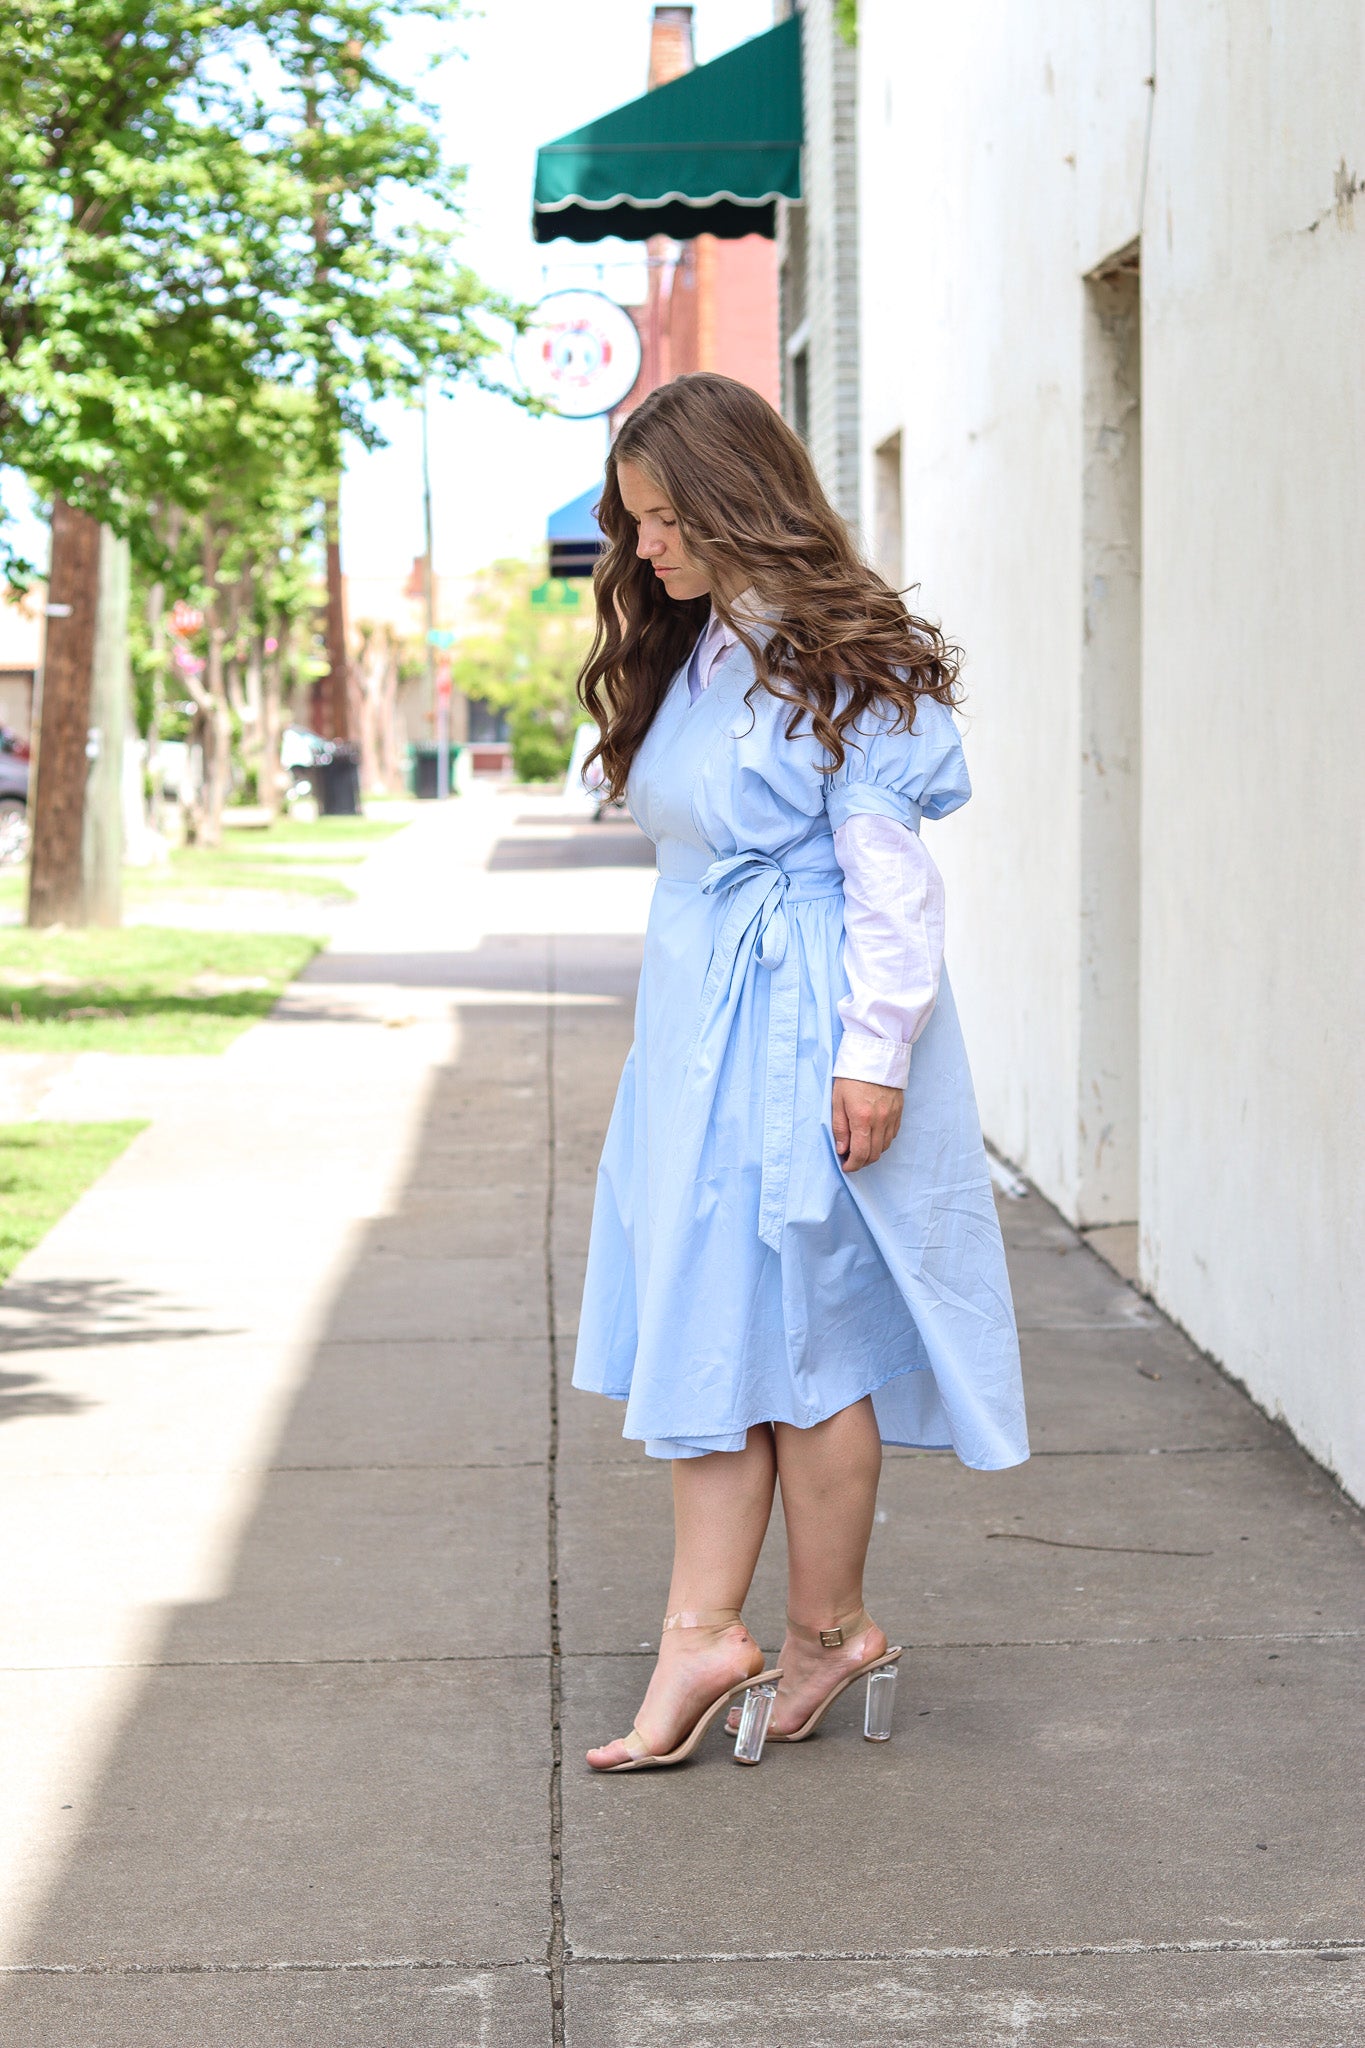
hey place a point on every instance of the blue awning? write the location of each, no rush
(574, 535)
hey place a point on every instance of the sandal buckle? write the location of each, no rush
(831, 1639)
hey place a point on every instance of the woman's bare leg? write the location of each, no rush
(828, 1476)
(721, 1506)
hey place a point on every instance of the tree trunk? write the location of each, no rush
(56, 892)
(272, 694)
(335, 689)
(234, 646)
(391, 770)
(156, 626)
(156, 635)
(253, 695)
(370, 676)
(216, 741)
(212, 729)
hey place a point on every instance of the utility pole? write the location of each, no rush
(438, 692)
(334, 695)
(109, 691)
(56, 889)
(337, 684)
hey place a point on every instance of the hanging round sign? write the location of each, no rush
(581, 353)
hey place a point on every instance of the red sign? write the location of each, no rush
(185, 618)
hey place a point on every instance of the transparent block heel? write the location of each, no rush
(754, 1717)
(881, 1703)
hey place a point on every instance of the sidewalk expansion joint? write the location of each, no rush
(409, 1343)
(560, 1656)
(1153, 1451)
(431, 1465)
(283, 1967)
(1148, 1451)
(428, 1658)
(189, 1471)
(901, 1455)
(1294, 1635)
(555, 1952)
(1269, 1945)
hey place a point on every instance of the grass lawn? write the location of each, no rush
(301, 859)
(291, 857)
(43, 1168)
(200, 873)
(325, 832)
(145, 988)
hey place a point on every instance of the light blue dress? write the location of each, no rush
(736, 1274)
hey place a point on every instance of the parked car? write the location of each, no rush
(14, 772)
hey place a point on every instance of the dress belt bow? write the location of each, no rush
(755, 926)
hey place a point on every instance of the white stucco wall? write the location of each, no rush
(1253, 949)
(1002, 156)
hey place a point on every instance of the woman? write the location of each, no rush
(795, 1255)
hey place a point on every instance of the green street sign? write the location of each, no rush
(558, 595)
(440, 636)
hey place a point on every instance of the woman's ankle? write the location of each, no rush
(698, 1628)
(827, 1625)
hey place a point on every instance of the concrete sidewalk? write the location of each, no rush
(321, 1580)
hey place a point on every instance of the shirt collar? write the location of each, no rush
(745, 607)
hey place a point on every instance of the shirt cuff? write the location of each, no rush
(863, 1056)
(845, 800)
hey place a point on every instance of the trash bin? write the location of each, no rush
(339, 777)
(422, 768)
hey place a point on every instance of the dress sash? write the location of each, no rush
(755, 930)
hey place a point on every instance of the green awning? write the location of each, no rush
(709, 153)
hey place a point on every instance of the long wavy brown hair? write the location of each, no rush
(835, 640)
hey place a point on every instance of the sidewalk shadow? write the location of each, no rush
(27, 1393)
(604, 846)
(62, 1315)
(324, 1814)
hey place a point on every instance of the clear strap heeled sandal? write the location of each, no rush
(880, 1673)
(759, 1694)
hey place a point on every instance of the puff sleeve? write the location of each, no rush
(901, 775)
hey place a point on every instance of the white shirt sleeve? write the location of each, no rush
(893, 946)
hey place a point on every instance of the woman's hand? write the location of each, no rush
(866, 1119)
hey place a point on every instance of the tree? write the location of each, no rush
(79, 101)
(526, 662)
(244, 566)
(385, 656)
(176, 236)
(73, 589)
